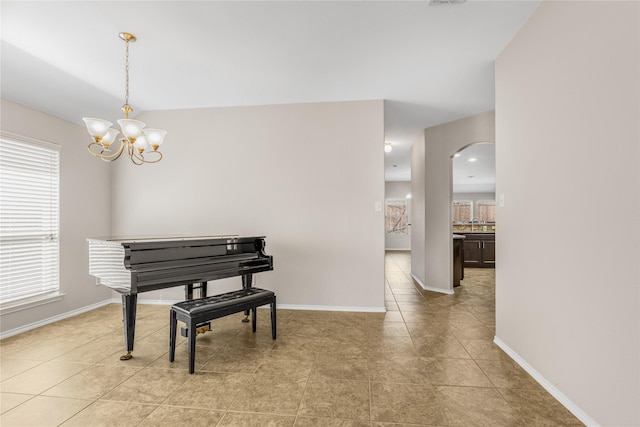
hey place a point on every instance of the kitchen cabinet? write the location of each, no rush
(458, 259)
(479, 250)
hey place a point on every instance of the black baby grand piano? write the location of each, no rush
(132, 266)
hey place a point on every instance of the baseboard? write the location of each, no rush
(332, 308)
(559, 396)
(429, 288)
(397, 249)
(49, 320)
(144, 301)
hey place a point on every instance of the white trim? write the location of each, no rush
(333, 308)
(429, 288)
(553, 390)
(22, 138)
(30, 302)
(49, 320)
(280, 306)
(397, 249)
(149, 301)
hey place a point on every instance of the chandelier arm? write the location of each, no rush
(111, 157)
(136, 158)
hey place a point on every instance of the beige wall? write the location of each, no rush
(440, 144)
(84, 210)
(398, 190)
(417, 209)
(567, 297)
(307, 176)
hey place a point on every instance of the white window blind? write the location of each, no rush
(29, 218)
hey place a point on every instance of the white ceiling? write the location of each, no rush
(430, 63)
(474, 169)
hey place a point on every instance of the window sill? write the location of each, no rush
(30, 302)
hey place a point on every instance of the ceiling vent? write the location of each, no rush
(439, 2)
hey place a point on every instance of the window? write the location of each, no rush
(462, 211)
(396, 218)
(29, 220)
(486, 210)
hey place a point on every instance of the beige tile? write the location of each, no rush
(235, 419)
(341, 367)
(11, 400)
(270, 394)
(329, 422)
(94, 351)
(466, 406)
(42, 411)
(459, 372)
(405, 403)
(171, 416)
(112, 414)
(387, 329)
(254, 341)
(11, 367)
(93, 382)
(483, 349)
(473, 331)
(398, 369)
(538, 408)
(505, 373)
(144, 353)
(244, 360)
(344, 348)
(149, 385)
(426, 329)
(438, 346)
(48, 349)
(276, 363)
(209, 390)
(392, 345)
(181, 361)
(42, 377)
(331, 398)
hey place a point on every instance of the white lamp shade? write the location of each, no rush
(97, 127)
(155, 136)
(110, 136)
(131, 128)
(141, 142)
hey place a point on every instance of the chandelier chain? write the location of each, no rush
(126, 69)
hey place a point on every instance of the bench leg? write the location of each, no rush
(254, 318)
(173, 324)
(273, 318)
(192, 346)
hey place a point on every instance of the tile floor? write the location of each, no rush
(429, 360)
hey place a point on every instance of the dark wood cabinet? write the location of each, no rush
(479, 250)
(458, 259)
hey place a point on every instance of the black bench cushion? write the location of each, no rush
(242, 296)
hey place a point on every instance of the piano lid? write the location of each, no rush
(140, 239)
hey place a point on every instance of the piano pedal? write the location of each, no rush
(200, 329)
(204, 328)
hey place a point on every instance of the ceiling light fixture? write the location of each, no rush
(387, 147)
(136, 139)
(473, 159)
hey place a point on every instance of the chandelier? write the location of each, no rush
(138, 141)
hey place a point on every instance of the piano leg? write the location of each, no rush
(247, 282)
(129, 305)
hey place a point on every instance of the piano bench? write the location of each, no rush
(196, 311)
